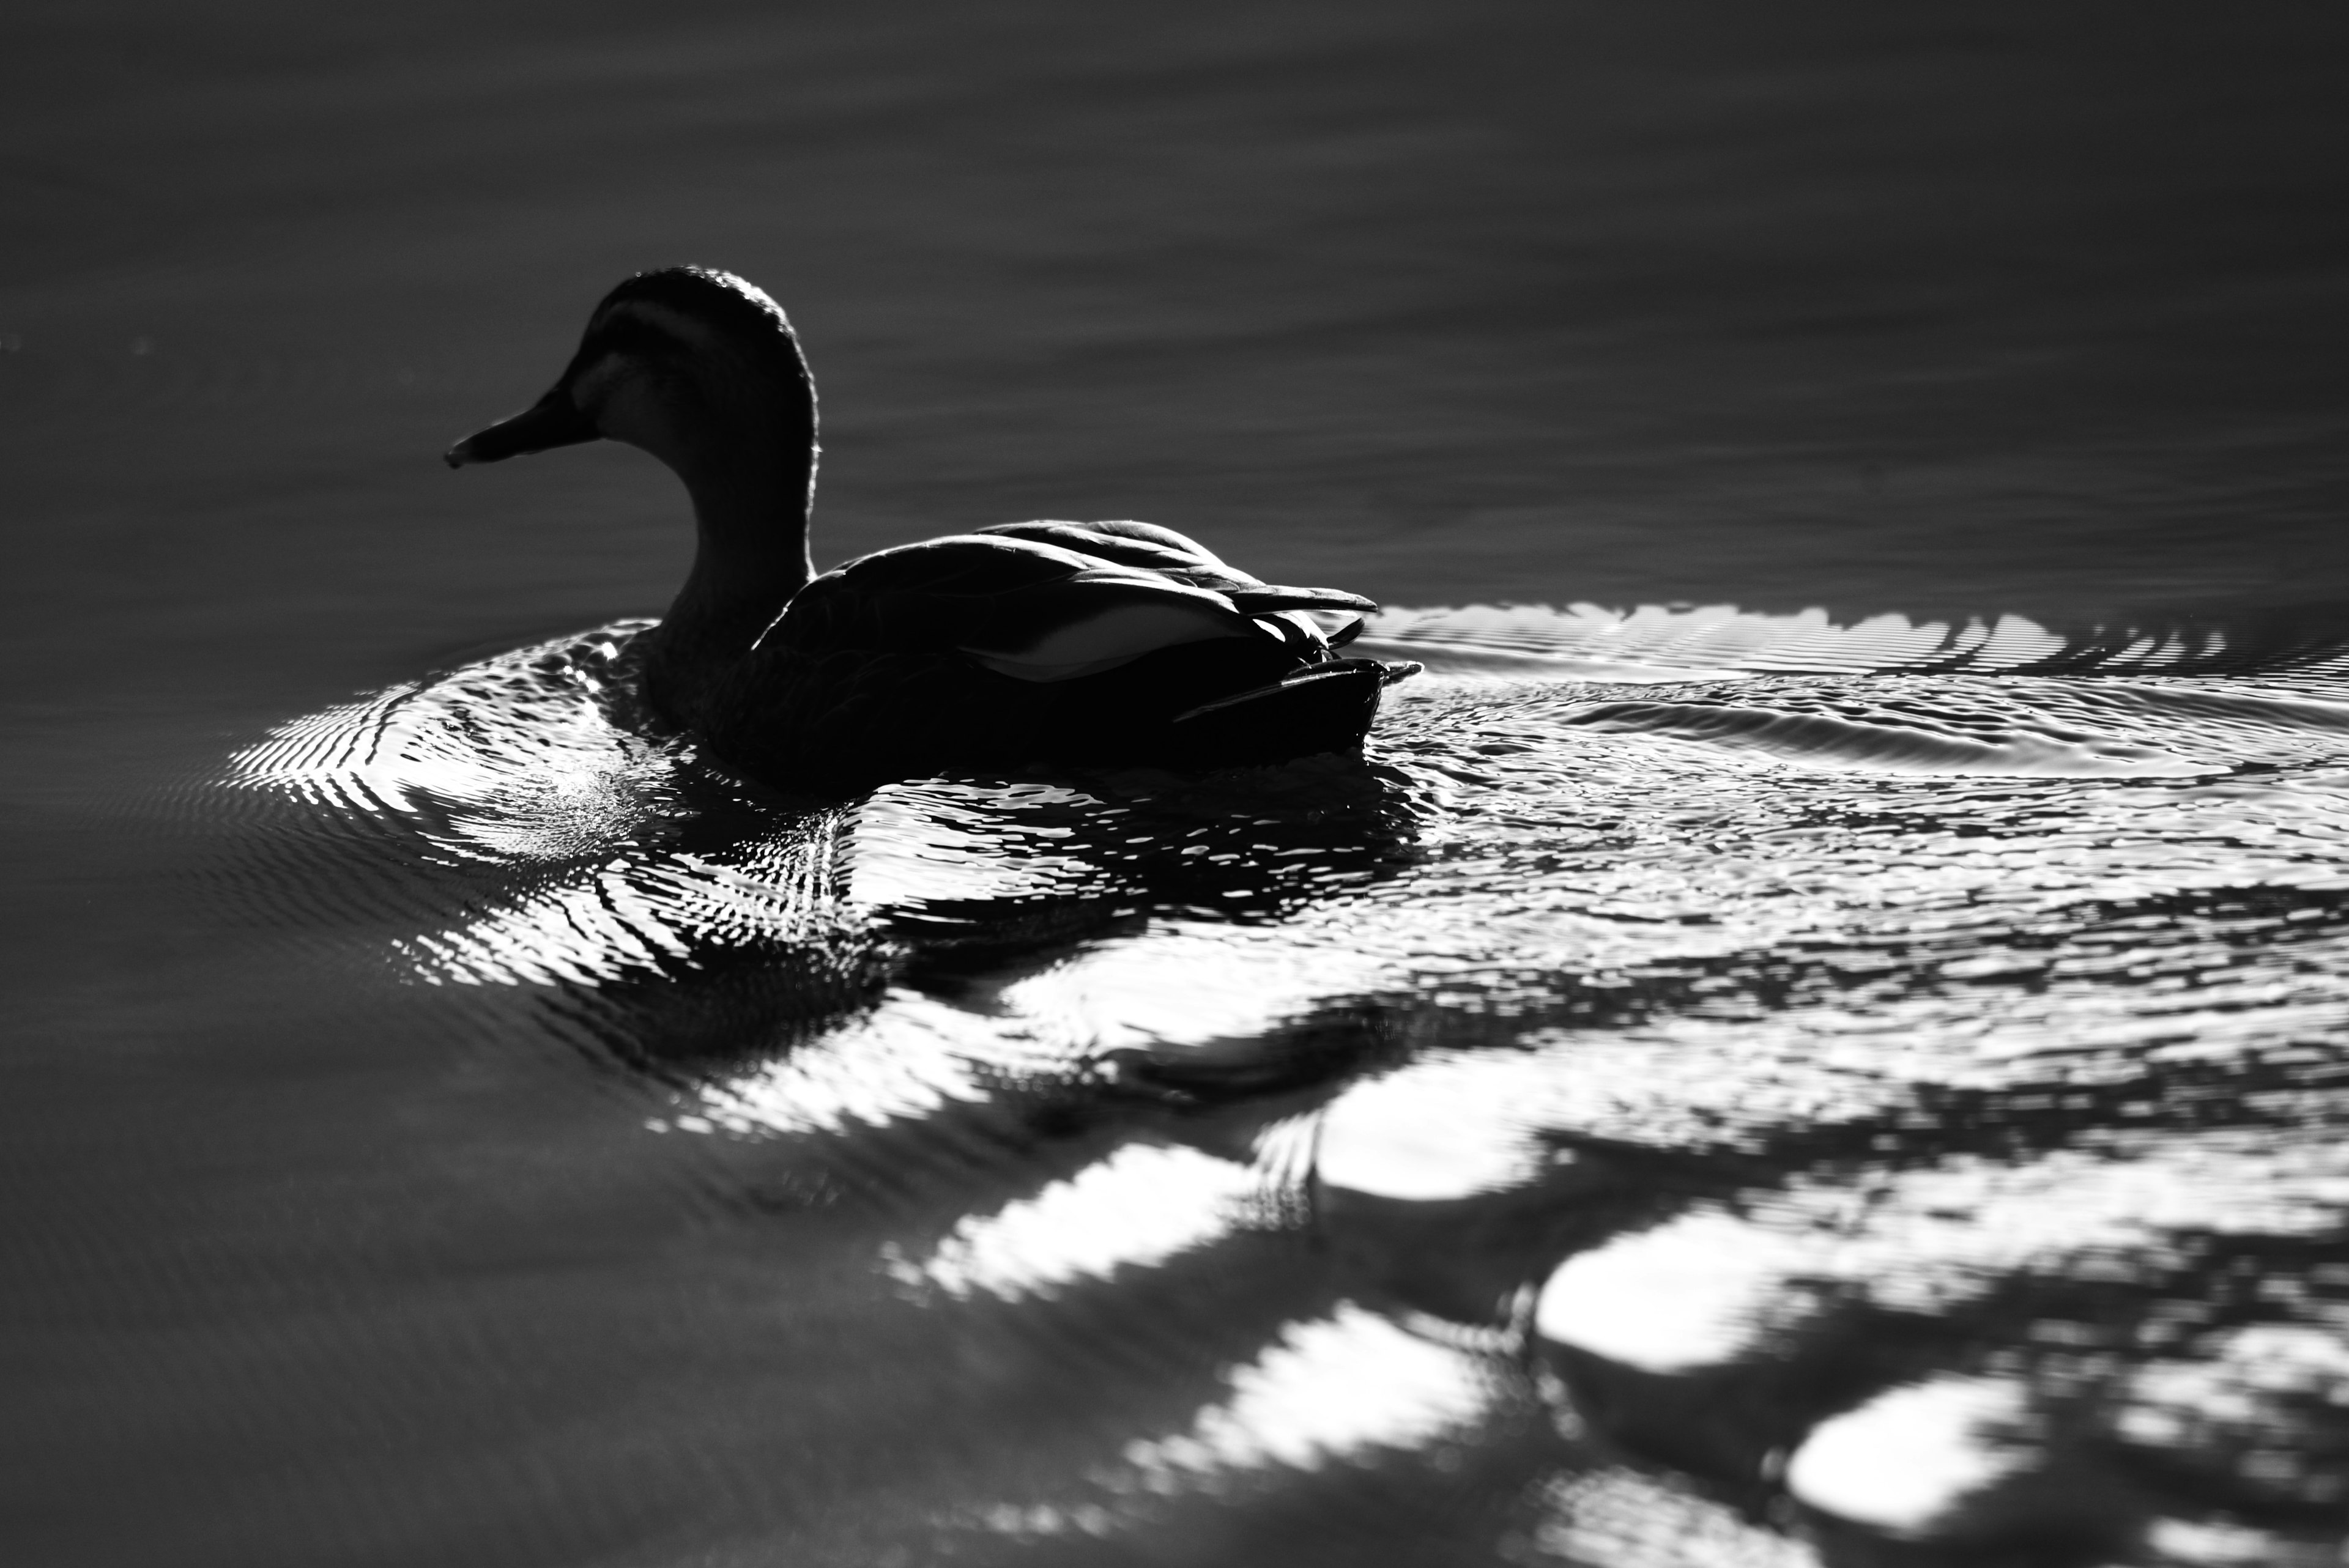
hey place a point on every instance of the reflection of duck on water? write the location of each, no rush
(1037, 642)
(957, 891)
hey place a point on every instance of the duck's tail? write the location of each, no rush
(1325, 707)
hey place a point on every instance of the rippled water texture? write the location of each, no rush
(1878, 1101)
(1815, 1034)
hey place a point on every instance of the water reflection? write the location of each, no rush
(1728, 1085)
(1139, 1206)
(1325, 1389)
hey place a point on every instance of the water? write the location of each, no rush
(1840, 1066)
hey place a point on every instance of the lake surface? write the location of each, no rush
(1817, 1033)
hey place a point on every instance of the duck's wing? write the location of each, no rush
(999, 650)
(1145, 546)
(1025, 601)
(1125, 542)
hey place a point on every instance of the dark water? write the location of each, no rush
(1843, 1064)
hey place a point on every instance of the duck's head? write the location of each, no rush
(693, 364)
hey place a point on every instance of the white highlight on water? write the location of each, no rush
(1142, 1205)
(1326, 1389)
(1911, 1457)
(1669, 1300)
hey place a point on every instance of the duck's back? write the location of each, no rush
(1044, 643)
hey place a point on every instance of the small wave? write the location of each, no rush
(516, 755)
(2017, 726)
(1898, 748)
(1655, 643)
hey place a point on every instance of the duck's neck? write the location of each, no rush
(750, 511)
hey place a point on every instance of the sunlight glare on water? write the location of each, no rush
(1326, 1389)
(1679, 1037)
(1912, 1456)
(1138, 1207)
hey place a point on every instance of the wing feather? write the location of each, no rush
(1050, 602)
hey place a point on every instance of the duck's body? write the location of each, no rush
(1026, 644)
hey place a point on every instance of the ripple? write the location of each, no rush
(1911, 747)
(1754, 1045)
(1326, 1389)
(1661, 644)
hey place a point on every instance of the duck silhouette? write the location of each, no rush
(1021, 645)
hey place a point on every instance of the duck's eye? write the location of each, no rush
(644, 332)
(634, 362)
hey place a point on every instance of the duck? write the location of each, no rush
(1025, 646)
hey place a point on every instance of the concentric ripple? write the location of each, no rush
(1748, 1088)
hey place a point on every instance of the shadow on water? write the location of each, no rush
(1707, 1082)
(1073, 870)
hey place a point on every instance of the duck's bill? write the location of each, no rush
(552, 421)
